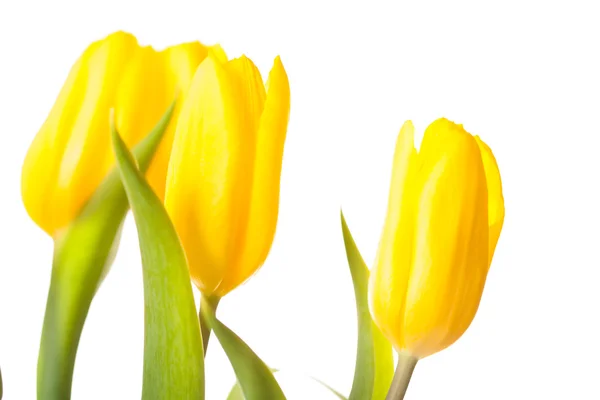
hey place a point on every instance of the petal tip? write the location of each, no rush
(408, 124)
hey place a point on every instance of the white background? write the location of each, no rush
(524, 75)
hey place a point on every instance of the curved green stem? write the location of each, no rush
(81, 259)
(404, 371)
(66, 309)
(60, 337)
(213, 303)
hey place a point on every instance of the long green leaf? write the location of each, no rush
(374, 357)
(255, 379)
(173, 356)
(83, 254)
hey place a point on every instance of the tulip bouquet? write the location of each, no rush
(193, 142)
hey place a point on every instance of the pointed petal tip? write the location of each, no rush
(406, 136)
(278, 64)
(408, 124)
(278, 81)
(278, 73)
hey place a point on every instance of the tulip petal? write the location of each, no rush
(43, 156)
(451, 240)
(142, 97)
(203, 183)
(389, 278)
(67, 160)
(495, 197)
(218, 53)
(180, 63)
(84, 162)
(250, 95)
(264, 200)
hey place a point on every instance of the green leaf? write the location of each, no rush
(237, 394)
(83, 253)
(332, 390)
(374, 369)
(173, 356)
(255, 379)
(384, 364)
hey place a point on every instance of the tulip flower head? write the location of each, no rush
(222, 191)
(444, 218)
(71, 154)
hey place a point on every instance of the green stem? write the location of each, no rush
(66, 310)
(82, 257)
(404, 371)
(60, 337)
(213, 303)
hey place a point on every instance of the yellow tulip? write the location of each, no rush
(222, 190)
(71, 153)
(444, 218)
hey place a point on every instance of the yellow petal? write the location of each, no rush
(250, 95)
(218, 53)
(264, 200)
(182, 61)
(43, 156)
(179, 63)
(142, 96)
(450, 256)
(203, 184)
(389, 277)
(495, 197)
(250, 91)
(68, 158)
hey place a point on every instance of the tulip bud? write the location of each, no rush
(71, 153)
(444, 218)
(222, 190)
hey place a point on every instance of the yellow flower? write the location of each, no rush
(222, 190)
(71, 153)
(444, 217)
